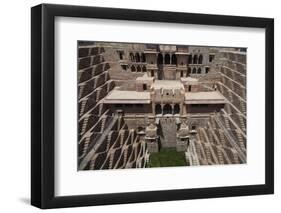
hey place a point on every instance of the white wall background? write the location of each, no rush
(15, 105)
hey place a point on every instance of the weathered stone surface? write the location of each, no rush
(124, 88)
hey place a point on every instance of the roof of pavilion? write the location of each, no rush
(127, 97)
(167, 84)
(134, 97)
(213, 97)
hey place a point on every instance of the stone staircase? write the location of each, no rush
(209, 143)
(82, 107)
(103, 123)
(208, 154)
(228, 108)
(235, 156)
(226, 121)
(108, 140)
(122, 136)
(222, 139)
(111, 160)
(80, 92)
(230, 96)
(213, 123)
(86, 146)
(125, 153)
(230, 139)
(240, 139)
(84, 125)
(243, 107)
(99, 140)
(220, 157)
(242, 122)
(191, 154)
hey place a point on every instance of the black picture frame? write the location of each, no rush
(43, 105)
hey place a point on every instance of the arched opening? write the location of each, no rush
(152, 73)
(211, 58)
(158, 109)
(194, 71)
(120, 56)
(199, 70)
(177, 109)
(143, 57)
(195, 59)
(167, 59)
(133, 69)
(181, 73)
(137, 57)
(188, 71)
(167, 109)
(144, 69)
(174, 59)
(189, 59)
(144, 87)
(140, 129)
(138, 69)
(200, 60)
(160, 59)
(132, 57)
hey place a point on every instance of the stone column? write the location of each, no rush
(170, 58)
(181, 108)
(184, 110)
(153, 108)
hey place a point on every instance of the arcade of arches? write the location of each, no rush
(167, 109)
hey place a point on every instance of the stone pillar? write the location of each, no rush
(182, 137)
(181, 108)
(184, 109)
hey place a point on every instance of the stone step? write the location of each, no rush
(84, 125)
(222, 139)
(86, 145)
(208, 154)
(230, 96)
(220, 157)
(228, 108)
(81, 88)
(226, 122)
(235, 157)
(241, 122)
(82, 107)
(243, 107)
(108, 141)
(240, 139)
(111, 160)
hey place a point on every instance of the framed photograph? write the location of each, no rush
(139, 106)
